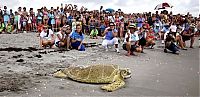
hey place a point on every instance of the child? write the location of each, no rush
(102, 27)
(94, 33)
(9, 28)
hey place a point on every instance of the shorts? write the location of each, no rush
(53, 21)
(24, 24)
(185, 38)
(142, 41)
(39, 21)
(133, 47)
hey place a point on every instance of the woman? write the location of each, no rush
(45, 17)
(62, 39)
(46, 37)
(121, 30)
(58, 21)
(150, 38)
(52, 18)
(29, 22)
(131, 41)
(77, 38)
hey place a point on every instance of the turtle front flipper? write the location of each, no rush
(117, 83)
(60, 74)
(113, 86)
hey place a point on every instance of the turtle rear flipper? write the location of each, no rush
(113, 86)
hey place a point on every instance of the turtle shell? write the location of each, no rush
(93, 73)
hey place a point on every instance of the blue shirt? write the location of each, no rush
(6, 16)
(165, 29)
(140, 22)
(102, 27)
(76, 35)
(109, 35)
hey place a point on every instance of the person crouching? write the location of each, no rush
(131, 41)
(62, 37)
(94, 33)
(46, 38)
(170, 44)
(110, 34)
(77, 38)
(150, 38)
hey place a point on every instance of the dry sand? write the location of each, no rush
(25, 70)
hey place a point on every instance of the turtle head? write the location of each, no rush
(125, 73)
(62, 73)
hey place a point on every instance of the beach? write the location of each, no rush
(26, 70)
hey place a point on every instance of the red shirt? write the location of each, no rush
(150, 35)
(40, 28)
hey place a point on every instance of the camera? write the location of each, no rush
(109, 29)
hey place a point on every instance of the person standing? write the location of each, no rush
(6, 17)
(140, 21)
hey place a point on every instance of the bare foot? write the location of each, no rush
(128, 54)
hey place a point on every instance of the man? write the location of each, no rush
(110, 34)
(131, 41)
(188, 34)
(11, 17)
(6, 17)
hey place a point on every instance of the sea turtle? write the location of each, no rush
(111, 74)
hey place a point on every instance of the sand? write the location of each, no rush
(26, 70)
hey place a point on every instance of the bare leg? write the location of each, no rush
(128, 47)
(191, 42)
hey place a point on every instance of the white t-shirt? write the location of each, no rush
(133, 37)
(61, 36)
(73, 26)
(44, 34)
(111, 18)
(173, 28)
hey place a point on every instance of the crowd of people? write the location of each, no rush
(66, 26)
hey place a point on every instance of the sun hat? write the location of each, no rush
(132, 25)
